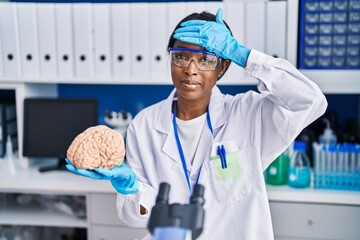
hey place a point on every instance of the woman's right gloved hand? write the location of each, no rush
(214, 37)
(121, 177)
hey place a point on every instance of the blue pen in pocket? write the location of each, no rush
(222, 154)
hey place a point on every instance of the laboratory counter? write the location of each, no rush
(296, 213)
(33, 181)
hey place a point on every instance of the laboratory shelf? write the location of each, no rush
(311, 195)
(37, 216)
(56, 182)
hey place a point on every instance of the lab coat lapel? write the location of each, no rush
(203, 151)
(217, 110)
(217, 117)
(164, 125)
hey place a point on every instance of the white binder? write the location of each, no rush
(276, 28)
(176, 12)
(120, 41)
(159, 64)
(194, 7)
(139, 22)
(255, 25)
(47, 39)
(1, 59)
(234, 15)
(9, 39)
(101, 25)
(83, 40)
(64, 33)
(29, 53)
(212, 7)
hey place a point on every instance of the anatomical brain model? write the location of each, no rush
(97, 147)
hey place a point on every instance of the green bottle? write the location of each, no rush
(277, 172)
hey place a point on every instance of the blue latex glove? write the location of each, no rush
(214, 37)
(122, 177)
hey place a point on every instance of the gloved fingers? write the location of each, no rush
(191, 40)
(128, 186)
(71, 168)
(84, 172)
(186, 34)
(68, 161)
(107, 173)
(194, 23)
(219, 16)
(115, 172)
(187, 29)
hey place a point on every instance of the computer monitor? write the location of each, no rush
(51, 124)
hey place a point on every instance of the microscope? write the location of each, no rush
(118, 120)
(177, 221)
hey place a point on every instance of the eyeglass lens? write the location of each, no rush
(203, 61)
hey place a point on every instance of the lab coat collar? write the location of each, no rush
(164, 124)
(216, 108)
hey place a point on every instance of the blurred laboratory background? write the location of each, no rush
(103, 61)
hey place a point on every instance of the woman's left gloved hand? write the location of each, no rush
(121, 177)
(214, 37)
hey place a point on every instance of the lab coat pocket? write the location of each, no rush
(232, 183)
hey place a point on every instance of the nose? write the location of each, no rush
(191, 69)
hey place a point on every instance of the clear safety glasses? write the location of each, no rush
(204, 61)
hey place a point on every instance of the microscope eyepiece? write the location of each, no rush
(163, 195)
(198, 195)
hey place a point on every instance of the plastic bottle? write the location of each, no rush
(299, 172)
(278, 170)
(328, 137)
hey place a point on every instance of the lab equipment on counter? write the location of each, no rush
(278, 171)
(337, 166)
(328, 137)
(329, 34)
(177, 221)
(299, 172)
(9, 159)
(119, 120)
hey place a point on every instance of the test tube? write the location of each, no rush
(357, 173)
(333, 161)
(323, 159)
(316, 157)
(344, 151)
(352, 159)
(347, 164)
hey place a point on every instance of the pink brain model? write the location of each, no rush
(97, 147)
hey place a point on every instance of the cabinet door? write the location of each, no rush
(117, 233)
(103, 210)
(315, 221)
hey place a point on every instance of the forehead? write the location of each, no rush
(180, 44)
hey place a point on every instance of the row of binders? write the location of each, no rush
(119, 41)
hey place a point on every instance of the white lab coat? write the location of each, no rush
(260, 125)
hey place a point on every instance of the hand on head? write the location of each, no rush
(214, 37)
